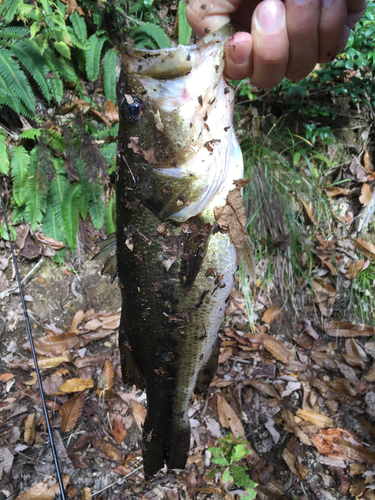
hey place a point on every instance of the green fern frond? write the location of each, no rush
(93, 57)
(19, 167)
(96, 205)
(109, 74)
(15, 78)
(18, 214)
(63, 68)
(184, 28)
(8, 97)
(109, 153)
(110, 215)
(36, 202)
(4, 160)
(56, 87)
(30, 133)
(79, 26)
(29, 55)
(14, 32)
(53, 224)
(147, 31)
(8, 10)
(70, 214)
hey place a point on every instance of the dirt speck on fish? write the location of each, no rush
(178, 161)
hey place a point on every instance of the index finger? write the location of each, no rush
(208, 17)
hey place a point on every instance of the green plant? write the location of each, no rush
(229, 458)
(362, 296)
(51, 47)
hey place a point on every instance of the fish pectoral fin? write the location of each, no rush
(246, 254)
(131, 368)
(107, 253)
(207, 373)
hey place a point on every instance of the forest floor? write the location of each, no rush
(300, 388)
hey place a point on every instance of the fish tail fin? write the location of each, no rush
(168, 446)
(246, 254)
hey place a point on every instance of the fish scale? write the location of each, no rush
(177, 160)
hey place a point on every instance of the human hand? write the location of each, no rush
(287, 38)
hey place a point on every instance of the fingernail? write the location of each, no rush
(299, 2)
(269, 15)
(240, 53)
(328, 3)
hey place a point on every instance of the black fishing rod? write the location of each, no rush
(27, 323)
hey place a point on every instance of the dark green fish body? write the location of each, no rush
(177, 160)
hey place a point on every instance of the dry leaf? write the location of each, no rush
(365, 247)
(278, 350)
(343, 329)
(118, 433)
(33, 379)
(291, 426)
(294, 465)
(332, 442)
(232, 216)
(337, 191)
(30, 429)
(5, 377)
(76, 385)
(228, 418)
(70, 413)
(367, 162)
(49, 242)
(309, 210)
(106, 379)
(86, 494)
(365, 194)
(354, 269)
(93, 324)
(52, 362)
(111, 111)
(40, 491)
(111, 451)
(54, 345)
(352, 356)
(139, 413)
(78, 318)
(270, 314)
(225, 354)
(263, 387)
(315, 418)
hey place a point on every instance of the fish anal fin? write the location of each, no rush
(207, 373)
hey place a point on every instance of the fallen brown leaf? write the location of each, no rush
(337, 191)
(111, 451)
(263, 387)
(70, 412)
(139, 414)
(315, 418)
(294, 465)
(40, 491)
(355, 269)
(343, 329)
(78, 318)
(111, 111)
(106, 379)
(271, 314)
(228, 418)
(291, 426)
(52, 362)
(86, 494)
(365, 247)
(352, 356)
(54, 345)
(118, 432)
(367, 162)
(5, 377)
(365, 194)
(76, 385)
(30, 429)
(278, 349)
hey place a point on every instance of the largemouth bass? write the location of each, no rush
(177, 160)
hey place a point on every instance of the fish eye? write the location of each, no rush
(132, 108)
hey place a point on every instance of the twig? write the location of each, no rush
(116, 482)
(7, 292)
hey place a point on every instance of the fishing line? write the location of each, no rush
(27, 323)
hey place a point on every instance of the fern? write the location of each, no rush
(93, 57)
(52, 224)
(110, 215)
(109, 153)
(35, 199)
(70, 214)
(109, 74)
(8, 9)
(14, 32)
(30, 133)
(16, 79)
(29, 55)
(149, 32)
(4, 161)
(60, 65)
(19, 167)
(184, 28)
(96, 205)
(79, 26)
